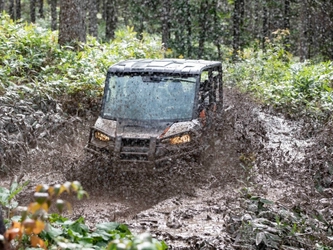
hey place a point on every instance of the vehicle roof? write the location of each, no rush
(172, 66)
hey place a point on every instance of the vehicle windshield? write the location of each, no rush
(161, 98)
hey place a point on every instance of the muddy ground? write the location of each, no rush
(265, 182)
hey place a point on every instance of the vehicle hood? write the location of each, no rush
(138, 129)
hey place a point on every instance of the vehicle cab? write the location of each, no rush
(156, 109)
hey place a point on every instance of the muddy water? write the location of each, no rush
(192, 208)
(191, 205)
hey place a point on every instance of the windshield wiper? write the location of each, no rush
(177, 79)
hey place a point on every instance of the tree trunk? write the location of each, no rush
(111, 19)
(2, 5)
(188, 25)
(18, 9)
(203, 26)
(12, 9)
(286, 18)
(216, 30)
(54, 16)
(71, 22)
(165, 20)
(303, 48)
(264, 24)
(41, 8)
(32, 11)
(286, 21)
(237, 26)
(93, 10)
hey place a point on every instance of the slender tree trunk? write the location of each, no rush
(286, 21)
(71, 22)
(98, 7)
(32, 11)
(264, 25)
(54, 16)
(41, 8)
(111, 20)
(93, 10)
(203, 27)
(237, 26)
(216, 32)
(2, 5)
(286, 18)
(188, 25)
(18, 9)
(12, 9)
(103, 4)
(165, 20)
(140, 25)
(303, 50)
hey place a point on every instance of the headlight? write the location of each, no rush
(180, 139)
(102, 137)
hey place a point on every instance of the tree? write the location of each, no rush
(111, 19)
(93, 25)
(18, 9)
(71, 22)
(12, 9)
(238, 16)
(2, 5)
(286, 18)
(264, 24)
(54, 15)
(165, 20)
(304, 24)
(32, 11)
(41, 8)
(203, 24)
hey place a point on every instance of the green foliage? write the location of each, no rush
(36, 227)
(32, 64)
(276, 78)
(7, 196)
(69, 234)
(271, 226)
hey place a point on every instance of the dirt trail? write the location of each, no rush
(257, 153)
(195, 207)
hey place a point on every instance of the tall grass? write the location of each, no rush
(31, 61)
(276, 78)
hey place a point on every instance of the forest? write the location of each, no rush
(271, 177)
(191, 29)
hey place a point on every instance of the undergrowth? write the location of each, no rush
(33, 64)
(34, 227)
(276, 78)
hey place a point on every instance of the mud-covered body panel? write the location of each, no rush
(143, 142)
(154, 110)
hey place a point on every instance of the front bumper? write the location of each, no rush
(141, 150)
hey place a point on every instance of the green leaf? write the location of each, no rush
(108, 226)
(265, 201)
(53, 232)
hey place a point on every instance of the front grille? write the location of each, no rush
(144, 143)
(134, 149)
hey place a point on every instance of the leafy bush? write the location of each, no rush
(278, 79)
(272, 226)
(35, 227)
(7, 196)
(32, 64)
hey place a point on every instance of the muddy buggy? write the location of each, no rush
(156, 110)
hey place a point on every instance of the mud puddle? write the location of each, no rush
(194, 206)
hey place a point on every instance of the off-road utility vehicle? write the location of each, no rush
(156, 110)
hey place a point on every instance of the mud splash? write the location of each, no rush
(258, 166)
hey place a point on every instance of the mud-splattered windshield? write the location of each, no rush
(161, 98)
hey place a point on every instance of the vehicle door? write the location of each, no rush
(210, 95)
